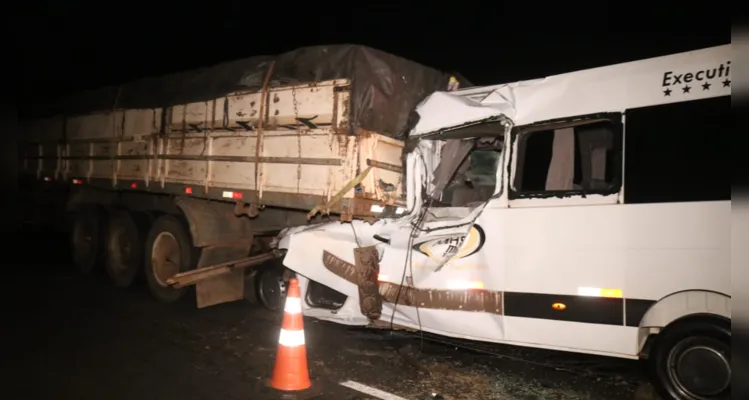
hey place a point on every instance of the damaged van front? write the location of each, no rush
(538, 215)
(391, 272)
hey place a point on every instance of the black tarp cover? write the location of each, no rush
(385, 88)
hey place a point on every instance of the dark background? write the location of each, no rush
(63, 46)
(52, 48)
(56, 47)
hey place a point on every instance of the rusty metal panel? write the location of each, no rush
(134, 161)
(140, 122)
(384, 183)
(181, 166)
(487, 301)
(342, 108)
(224, 244)
(215, 224)
(311, 105)
(103, 162)
(188, 278)
(195, 117)
(232, 174)
(368, 268)
(78, 163)
(442, 299)
(304, 157)
(221, 289)
(242, 111)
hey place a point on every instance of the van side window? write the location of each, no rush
(582, 157)
(679, 152)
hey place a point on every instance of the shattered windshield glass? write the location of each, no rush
(482, 168)
(474, 180)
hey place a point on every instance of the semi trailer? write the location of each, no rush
(186, 178)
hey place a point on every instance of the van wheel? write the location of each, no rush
(89, 226)
(169, 251)
(271, 288)
(124, 249)
(692, 361)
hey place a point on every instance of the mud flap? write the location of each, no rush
(368, 268)
(222, 288)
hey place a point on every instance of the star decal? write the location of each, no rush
(686, 89)
(706, 86)
(667, 92)
(727, 83)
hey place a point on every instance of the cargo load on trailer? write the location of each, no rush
(289, 131)
(274, 141)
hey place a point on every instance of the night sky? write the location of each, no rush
(64, 46)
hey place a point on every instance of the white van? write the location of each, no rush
(585, 212)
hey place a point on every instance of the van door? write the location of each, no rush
(438, 273)
(565, 269)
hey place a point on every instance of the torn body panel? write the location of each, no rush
(408, 296)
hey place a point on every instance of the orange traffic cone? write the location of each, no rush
(290, 372)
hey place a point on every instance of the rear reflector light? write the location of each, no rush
(599, 292)
(188, 190)
(133, 185)
(232, 195)
(47, 179)
(77, 181)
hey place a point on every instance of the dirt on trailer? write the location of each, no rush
(69, 336)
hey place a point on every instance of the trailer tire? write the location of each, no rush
(89, 226)
(169, 251)
(124, 248)
(691, 360)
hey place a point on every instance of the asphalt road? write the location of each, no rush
(68, 336)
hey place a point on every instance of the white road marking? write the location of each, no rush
(371, 391)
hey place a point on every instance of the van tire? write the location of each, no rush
(691, 360)
(271, 286)
(169, 251)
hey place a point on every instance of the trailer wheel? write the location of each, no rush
(169, 251)
(692, 361)
(89, 226)
(124, 248)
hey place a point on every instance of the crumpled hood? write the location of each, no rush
(445, 110)
(354, 232)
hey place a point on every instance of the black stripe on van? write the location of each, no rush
(635, 309)
(555, 307)
(588, 309)
(585, 309)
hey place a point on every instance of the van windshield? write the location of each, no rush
(467, 173)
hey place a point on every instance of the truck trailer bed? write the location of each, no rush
(303, 156)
